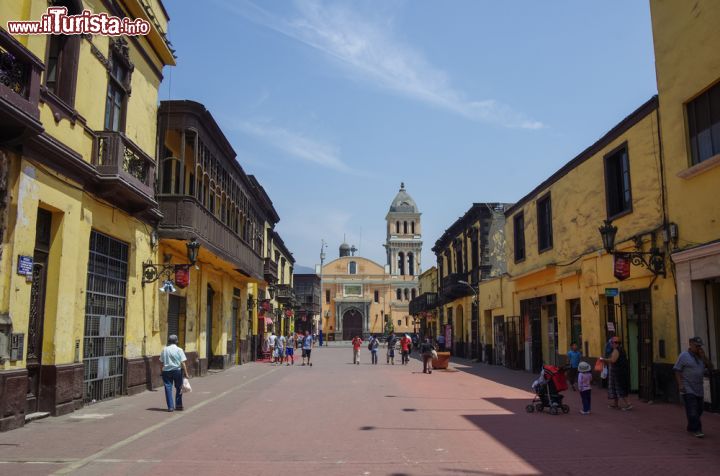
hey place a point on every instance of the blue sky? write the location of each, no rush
(332, 104)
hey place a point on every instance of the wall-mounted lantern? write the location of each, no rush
(154, 271)
(653, 260)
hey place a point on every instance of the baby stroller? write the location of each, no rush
(547, 391)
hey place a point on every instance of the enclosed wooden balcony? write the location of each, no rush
(270, 271)
(19, 90)
(285, 294)
(184, 217)
(124, 170)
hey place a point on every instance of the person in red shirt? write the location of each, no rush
(405, 343)
(356, 343)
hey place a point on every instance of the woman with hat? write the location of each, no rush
(583, 386)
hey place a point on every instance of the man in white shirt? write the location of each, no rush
(173, 360)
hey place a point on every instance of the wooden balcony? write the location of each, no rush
(270, 271)
(422, 303)
(184, 218)
(124, 170)
(285, 294)
(19, 90)
(451, 288)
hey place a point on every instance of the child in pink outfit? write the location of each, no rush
(583, 384)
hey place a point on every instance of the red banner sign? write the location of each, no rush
(182, 277)
(621, 266)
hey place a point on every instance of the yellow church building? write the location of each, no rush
(362, 297)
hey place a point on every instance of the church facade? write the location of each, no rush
(362, 297)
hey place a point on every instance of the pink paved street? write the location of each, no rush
(336, 418)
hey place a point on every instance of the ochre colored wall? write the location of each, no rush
(687, 61)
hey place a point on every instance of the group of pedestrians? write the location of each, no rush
(405, 343)
(690, 368)
(283, 348)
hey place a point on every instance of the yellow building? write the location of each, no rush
(687, 63)
(567, 288)
(204, 194)
(424, 307)
(77, 146)
(471, 250)
(281, 292)
(361, 297)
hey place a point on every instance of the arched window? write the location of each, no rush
(405, 227)
(398, 294)
(397, 227)
(411, 264)
(401, 263)
(352, 267)
(407, 294)
(412, 227)
(413, 293)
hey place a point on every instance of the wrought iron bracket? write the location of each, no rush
(653, 260)
(153, 271)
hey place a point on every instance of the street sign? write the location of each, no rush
(611, 292)
(25, 265)
(611, 326)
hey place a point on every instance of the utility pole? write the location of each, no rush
(323, 245)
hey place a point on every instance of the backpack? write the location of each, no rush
(370, 344)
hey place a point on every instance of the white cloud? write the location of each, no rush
(296, 145)
(369, 49)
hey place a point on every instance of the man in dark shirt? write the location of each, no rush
(426, 349)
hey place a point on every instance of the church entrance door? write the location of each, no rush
(352, 324)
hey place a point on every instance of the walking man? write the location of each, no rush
(391, 340)
(307, 348)
(173, 361)
(356, 343)
(280, 348)
(426, 349)
(290, 349)
(689, 370)
(373, 346)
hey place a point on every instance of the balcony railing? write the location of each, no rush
(424, 302)
(19, 89)
(452, 289)
(270, 271)
(119, 160)
(184, 218)
(284, 293)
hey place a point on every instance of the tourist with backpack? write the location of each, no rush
(373, 346)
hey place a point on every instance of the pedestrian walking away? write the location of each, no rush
(405, 344)
(689, 370)
(391, 341)
(617, 376)
(174, 369)
(356, 343)
(584, 380)
(373, 346)
(307, 346)
(290, 350)
(573, 360)
(426, 349)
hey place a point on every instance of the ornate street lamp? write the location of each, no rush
(653, 260)
(153, 271)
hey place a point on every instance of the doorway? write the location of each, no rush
(209, 325)
(36, 319)
(499, 343)
(638, 321)
(352, 324)
(176, 318)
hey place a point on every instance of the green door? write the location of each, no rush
(632, 353)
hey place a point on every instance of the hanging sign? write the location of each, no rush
(24, 265)
(182, 277)
(611, 327)
(621, 266)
